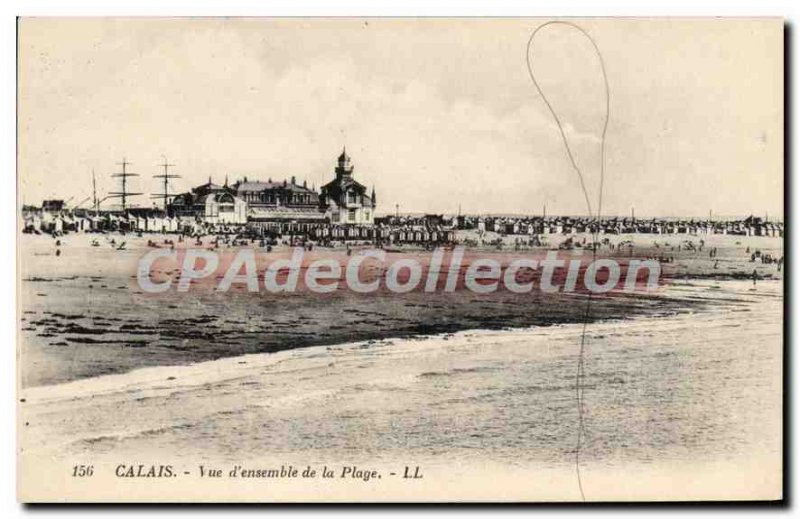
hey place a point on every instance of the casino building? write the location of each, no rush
(280, 205)
(210, 203)
(270, 204)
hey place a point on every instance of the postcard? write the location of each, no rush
(360, 260)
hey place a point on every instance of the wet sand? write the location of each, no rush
(83, 315)
(673, 396)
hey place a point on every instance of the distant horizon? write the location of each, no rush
(380, 214)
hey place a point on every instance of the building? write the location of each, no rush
(281, 207)
(210, 203)
(53, 206)
(345, 200)
(271, 204)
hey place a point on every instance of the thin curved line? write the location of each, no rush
(558, 120)
(580, 372)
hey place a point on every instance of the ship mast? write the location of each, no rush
(124, 194)
(95, 203)
(166, 176)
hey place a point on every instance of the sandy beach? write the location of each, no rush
(697, 393)
(682, 386)
(82, 314)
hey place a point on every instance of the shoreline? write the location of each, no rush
(323, 400)
(200, 369)
(81, 318)
(93, 345)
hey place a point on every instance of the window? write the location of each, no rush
(351, 215)
(351, 197)
(226, 204)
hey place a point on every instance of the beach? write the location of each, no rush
(680, 384)
(83, 315)
(681, 388)
(689, 399)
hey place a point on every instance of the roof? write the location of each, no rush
(334, 189)
(344, 182)
(262, 186)
(208, 186)
(183, 198)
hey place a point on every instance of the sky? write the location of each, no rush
(437, 114)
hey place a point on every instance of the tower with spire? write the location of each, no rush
(343, 166)
(345, 200)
